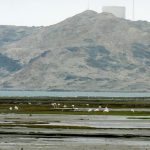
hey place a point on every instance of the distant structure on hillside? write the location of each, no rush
(118, 11)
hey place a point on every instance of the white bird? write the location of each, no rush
(72, 106)
(10, 108)
(87, 104)
(132, 110)
(16, 108)
(54, 105)
(100, 107)
(96, 110)
(89, 110)
(76, 109)
(65, 106)
(106, 109)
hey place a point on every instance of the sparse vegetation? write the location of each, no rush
(44, 105)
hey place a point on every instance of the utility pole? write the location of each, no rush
(133, 15)
(88, 4)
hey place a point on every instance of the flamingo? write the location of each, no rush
(65, 106)
(132, 110)
(10, 108)
(106, 109)
(16, 108)
(89, 110)
(76, 109)
(96, 110)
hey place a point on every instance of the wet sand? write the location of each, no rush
(16, 143)
(13, 138)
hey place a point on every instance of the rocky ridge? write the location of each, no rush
(87, 52)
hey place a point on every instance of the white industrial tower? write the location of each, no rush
(88, 5)
(117, 11)
(133, 17)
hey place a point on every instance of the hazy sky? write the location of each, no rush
(47, 12)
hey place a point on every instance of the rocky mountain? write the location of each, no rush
(87, 52)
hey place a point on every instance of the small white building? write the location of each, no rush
(117, 11)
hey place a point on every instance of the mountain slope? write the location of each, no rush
(89, 51)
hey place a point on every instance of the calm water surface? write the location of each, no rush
(71, 94)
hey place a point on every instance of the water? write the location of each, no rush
(70, 94)
(14, 138)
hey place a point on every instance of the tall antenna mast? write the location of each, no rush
(88, 4)
(133, 10)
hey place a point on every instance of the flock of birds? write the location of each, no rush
(55, 106)
(106, 109)
(13, 108)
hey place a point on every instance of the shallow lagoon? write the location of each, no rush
(71, 94)
(12, 141)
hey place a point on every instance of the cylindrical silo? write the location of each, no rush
(117, 11)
